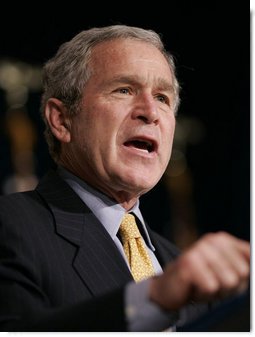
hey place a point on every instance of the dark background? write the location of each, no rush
(211, 46)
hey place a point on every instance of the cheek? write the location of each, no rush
(168, 133)
(167, 141)
(95, 136)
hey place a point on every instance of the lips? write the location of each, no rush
(145, 144)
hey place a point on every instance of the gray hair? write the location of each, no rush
(66, 74)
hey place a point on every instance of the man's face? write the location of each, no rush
(121, 140)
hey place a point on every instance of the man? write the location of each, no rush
(109, 103)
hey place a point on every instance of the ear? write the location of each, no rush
(55, 113)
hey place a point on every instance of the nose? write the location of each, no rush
(146, 109)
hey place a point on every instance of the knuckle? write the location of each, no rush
(189, 259)
(232, 281)
(244, 272)
(212, 288)
(217, 239)
(209, 237)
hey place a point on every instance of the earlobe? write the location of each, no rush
(55, 113)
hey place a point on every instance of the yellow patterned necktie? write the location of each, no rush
(135, 250)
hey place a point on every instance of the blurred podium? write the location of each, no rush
(232, 315)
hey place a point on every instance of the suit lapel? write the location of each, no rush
(100, 259)
(165, 251)
(97, 261)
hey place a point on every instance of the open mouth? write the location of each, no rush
(141, 144)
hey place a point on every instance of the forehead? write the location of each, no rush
(128, 52)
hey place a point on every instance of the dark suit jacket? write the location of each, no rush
(59, 268)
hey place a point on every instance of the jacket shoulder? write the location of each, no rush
(20, 202)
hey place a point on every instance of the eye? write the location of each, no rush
(163, 99)
(125, 91)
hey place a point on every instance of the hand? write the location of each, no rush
(216, 266)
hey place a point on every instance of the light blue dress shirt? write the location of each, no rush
(141, 313)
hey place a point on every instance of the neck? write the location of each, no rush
(126, 199)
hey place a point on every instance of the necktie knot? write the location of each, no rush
(128, 228)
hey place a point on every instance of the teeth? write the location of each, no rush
(146, 144)
(149, 146)
(141, 144)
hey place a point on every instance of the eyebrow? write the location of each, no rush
(161, 83)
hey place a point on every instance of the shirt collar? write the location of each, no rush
(102, 206)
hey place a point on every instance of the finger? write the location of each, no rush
(226, 260)
(181, 281)
(225, 240)
(232, 254)
(203, 281)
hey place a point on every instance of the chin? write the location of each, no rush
(140, 184)
(136, 178)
